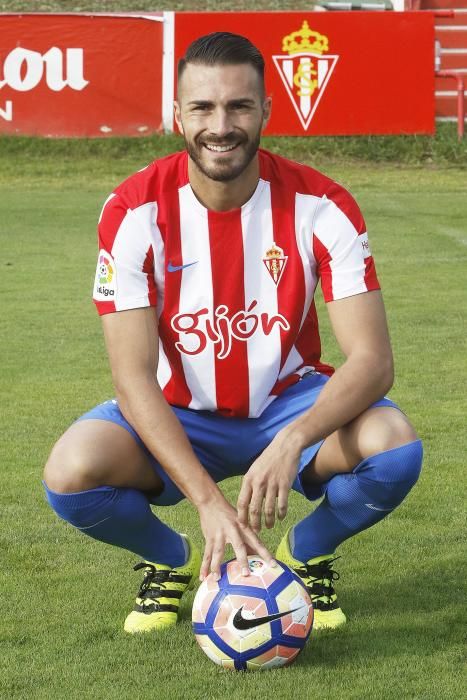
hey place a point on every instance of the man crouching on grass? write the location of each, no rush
(208, 264)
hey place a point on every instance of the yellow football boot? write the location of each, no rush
(158, 599)
(318, 576)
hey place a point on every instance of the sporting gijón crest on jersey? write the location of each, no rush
(233, 290)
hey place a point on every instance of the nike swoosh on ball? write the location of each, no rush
(240, 623)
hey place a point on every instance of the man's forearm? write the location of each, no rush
(145, 407)
(359, 382)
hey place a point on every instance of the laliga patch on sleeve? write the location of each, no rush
(363, 240)
(105, 285)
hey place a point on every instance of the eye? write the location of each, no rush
(241, 106)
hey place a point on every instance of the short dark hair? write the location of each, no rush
(222, 48)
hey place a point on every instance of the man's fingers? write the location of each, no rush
(270, 508)
(206, 563)
(243, 502)
(241, 554)
(258, 548)
(282, 502)
(217, 558)
(256, 508)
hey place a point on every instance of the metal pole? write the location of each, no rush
(459, 78)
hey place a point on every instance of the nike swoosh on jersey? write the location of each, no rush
(241, 623)
(176, 268)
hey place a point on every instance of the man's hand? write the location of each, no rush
(266, 485)
(221, 526)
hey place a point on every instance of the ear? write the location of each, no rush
(267, 106)
(178, 116)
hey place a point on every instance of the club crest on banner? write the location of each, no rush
(275, 262)
(305, 69)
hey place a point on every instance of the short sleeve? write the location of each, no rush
(341, 248)
(125, 265)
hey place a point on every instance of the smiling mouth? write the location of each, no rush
(216, 148)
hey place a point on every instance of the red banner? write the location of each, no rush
(77, 75)
(328, 73)
(336, 72)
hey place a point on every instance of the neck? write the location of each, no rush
(223, 196)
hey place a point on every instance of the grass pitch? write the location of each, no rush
(64, 597)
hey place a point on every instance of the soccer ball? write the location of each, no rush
(252, 622)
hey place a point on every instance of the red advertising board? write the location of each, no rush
(336, 72)
(78, 75)
(328, 73)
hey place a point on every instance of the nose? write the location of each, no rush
(220, 123)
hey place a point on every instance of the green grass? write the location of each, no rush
(64, 597)
(41, 158)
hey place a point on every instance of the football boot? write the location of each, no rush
(318, 576)
(158, 599)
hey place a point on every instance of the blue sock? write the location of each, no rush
(357, 500)
(121, 517)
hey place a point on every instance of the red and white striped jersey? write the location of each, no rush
(233, 290)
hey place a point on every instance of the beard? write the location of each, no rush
(224, 170)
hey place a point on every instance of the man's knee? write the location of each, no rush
(382, 429)
(388, 432)
(376, 487)
(95, 453)
(68, 470)
(389, 476)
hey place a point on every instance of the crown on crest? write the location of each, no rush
(274, 251)
(305, 40)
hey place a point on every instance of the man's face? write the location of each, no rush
(221, 111)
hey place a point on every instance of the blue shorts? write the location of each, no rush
(228, 446)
